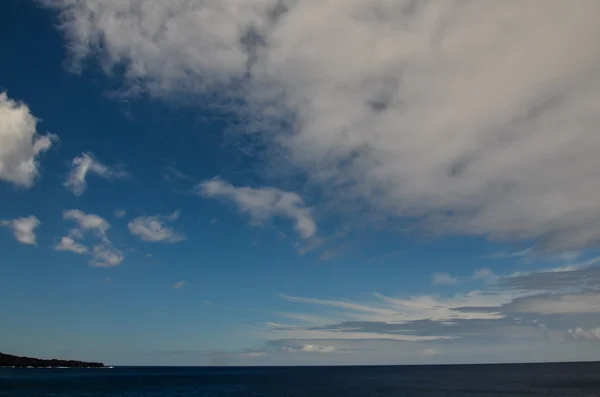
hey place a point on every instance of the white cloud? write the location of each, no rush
(491, 313)
(483, 274)
(20, 145)
(87, 222)
(318, 349)
(23, 228)
(87, 164)
(307, 318)
(307, 333)
(69, 244)
(173, 174)
(479, 117)
(444, 279)
(253, 354)
(180, 284)
(120, 213)
(430, 352)
(396, 310)
(153, 228)
(573, 277)
(356, 307)
(521, 307)
(517, 254)
(585, 335)
(560, 304)
(264, 203)
(103, 253)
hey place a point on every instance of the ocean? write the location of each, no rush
(547, 380)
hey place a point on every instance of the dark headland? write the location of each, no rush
(8, 360)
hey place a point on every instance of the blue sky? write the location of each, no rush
(193, 184)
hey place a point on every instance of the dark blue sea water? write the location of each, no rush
(547, 380)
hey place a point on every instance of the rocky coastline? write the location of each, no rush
(8, 360)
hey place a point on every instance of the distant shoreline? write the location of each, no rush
(8, 360)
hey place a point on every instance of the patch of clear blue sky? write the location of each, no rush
(52, 302)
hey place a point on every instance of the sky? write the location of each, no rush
(276, 182)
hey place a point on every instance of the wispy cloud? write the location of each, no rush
(263, 203)
(320, 349)
(396, 310)
(154, 228)
(87, 164)
(444, 279)
(213, 304)
(103, 253)
(386, 256)
(482, 274)
(508, 254)
(173, 174)
(358, 335)
(585, 335)
(334, 252)
(430, 352)
(548, 304)
(180, 284)
(307, 318)
(23, 228)
(67, 243)
(355, 307)
(120, 213)
(574, 276)
(588, 302)
(20, 144)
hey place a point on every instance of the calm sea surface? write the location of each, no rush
(547, 380)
